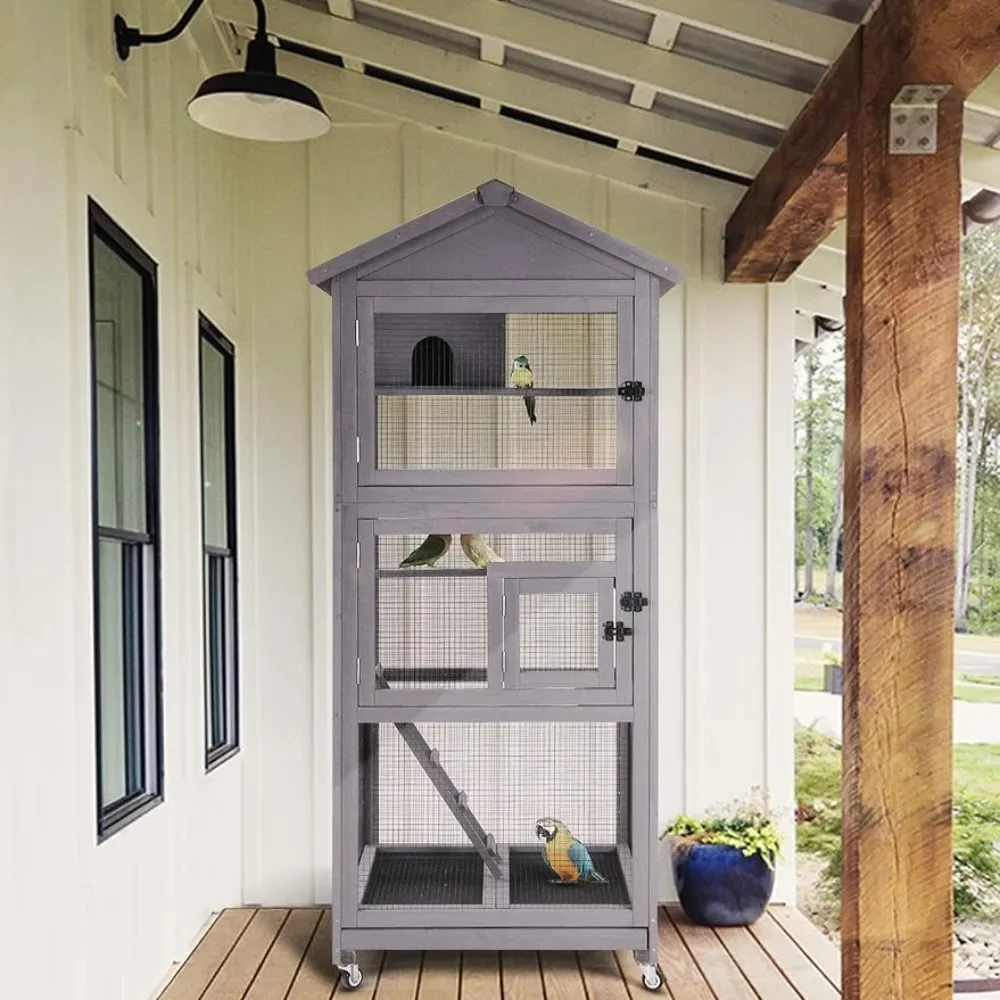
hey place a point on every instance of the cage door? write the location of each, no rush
(558, 629)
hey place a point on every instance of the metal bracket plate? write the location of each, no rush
(913, 119)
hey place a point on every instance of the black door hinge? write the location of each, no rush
(634, 601)
(616, 631)
(631, 392)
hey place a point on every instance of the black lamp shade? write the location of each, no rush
(262, 106)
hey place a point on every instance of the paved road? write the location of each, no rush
(965, 661)
(973, 723)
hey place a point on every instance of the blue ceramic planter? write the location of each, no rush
(719, 887)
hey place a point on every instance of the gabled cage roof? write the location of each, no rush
(494, 233)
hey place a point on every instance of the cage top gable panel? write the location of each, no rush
(494, 233)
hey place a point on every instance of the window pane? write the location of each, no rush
(119, 391)
(218, 626)
(120, 668)
(214, 408)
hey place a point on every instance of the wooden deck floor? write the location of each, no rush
(277, 954)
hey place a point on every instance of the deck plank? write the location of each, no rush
(561, 975)
(316, 977)
(521, 975)
(441, 974)
(793, 961)
(716, 964)
(601, 976)
(400, 975)
(680, 971)
(205, 961)
(248, 954)
(275, 976)
(481, 975)
(825, 955)
(761, 972)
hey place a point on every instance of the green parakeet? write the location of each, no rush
(522, 377)
(430, 550)
(479, 553)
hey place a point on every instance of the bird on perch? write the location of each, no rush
(522, 377)
(566, 857)
(479, 553)
(430, 550)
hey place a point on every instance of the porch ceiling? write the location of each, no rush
(684, 96)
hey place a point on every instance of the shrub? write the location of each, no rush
(976, 867)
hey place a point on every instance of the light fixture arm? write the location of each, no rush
(128, 38)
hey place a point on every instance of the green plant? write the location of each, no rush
(746, 825)
(976, 861)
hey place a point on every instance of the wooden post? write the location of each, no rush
(902, 330)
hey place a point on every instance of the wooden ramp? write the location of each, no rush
(281, 954)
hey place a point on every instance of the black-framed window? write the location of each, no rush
(125, 471)
(218, 474)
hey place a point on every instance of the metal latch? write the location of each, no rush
(633, 601)
(631, 392)
(616, 631)
(914, 118)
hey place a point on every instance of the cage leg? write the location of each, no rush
(351, 975)
(646, 960)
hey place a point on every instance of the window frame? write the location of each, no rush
(218, 753)
(143, 733)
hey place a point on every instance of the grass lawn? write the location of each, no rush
(977, 768)
(825, 623)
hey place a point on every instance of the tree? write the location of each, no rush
(819, 436)
(979, 399)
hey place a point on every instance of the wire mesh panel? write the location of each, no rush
(548, 801)
(495, 391)
(558, 632)
(431, 615)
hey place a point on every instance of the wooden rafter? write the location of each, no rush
(492, 83)
(620, 58)
(340, 88)
(767, 23)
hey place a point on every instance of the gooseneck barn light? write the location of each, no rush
(256, 103)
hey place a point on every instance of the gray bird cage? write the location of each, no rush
(495, 602)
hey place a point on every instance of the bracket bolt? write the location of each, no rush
(900, 141)
(924, 142)
(900, 119)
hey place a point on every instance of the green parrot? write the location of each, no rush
(567, 858)
(479, 553)
(430, 550)
(522, 377)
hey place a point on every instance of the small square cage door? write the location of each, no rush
(555, 631)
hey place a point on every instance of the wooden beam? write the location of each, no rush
(620, 58)
(900, 430)
(770, 24)
(340, 87)
(490, 83)
(801, 193)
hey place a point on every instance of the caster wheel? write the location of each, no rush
(652, 980)
(351, 977)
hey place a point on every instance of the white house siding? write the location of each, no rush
(233, 228)
(82, 920)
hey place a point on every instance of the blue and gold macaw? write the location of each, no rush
(564, 854)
